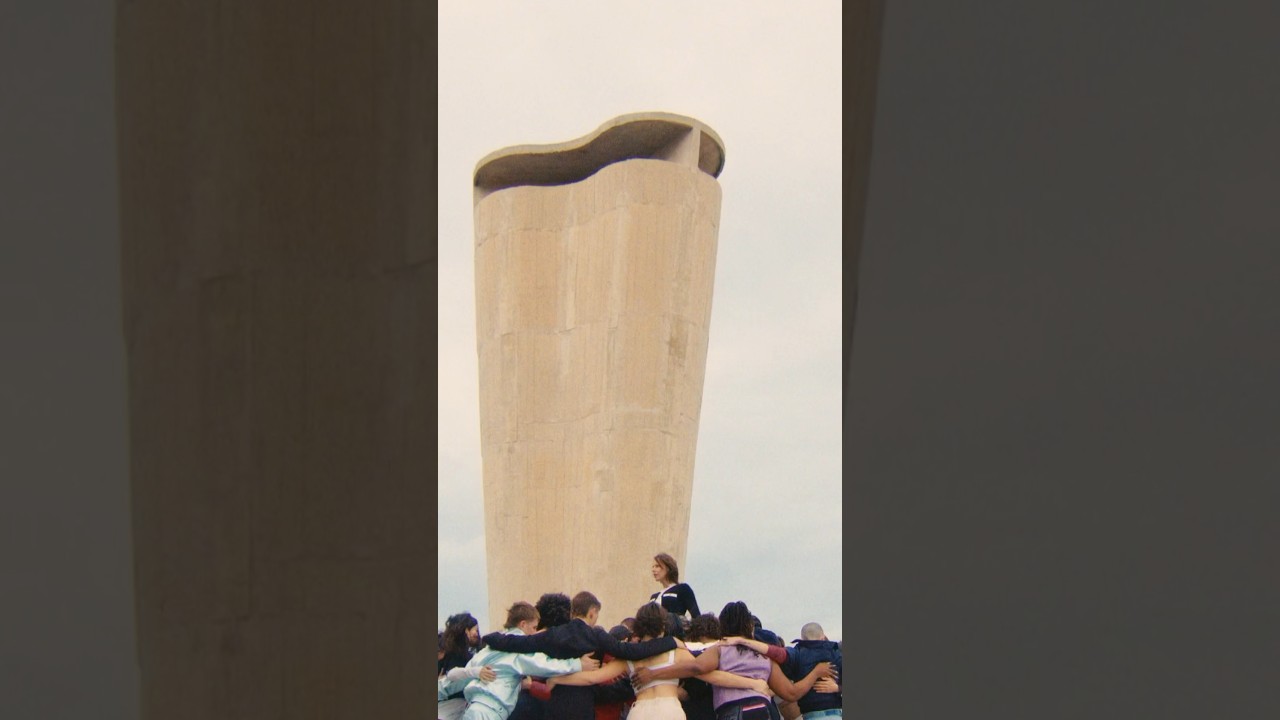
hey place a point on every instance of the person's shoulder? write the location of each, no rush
(556, 633)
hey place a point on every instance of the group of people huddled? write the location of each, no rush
(669, 662)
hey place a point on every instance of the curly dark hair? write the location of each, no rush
(704, 628)
(455, 632)
(553, 610)
(735, 620)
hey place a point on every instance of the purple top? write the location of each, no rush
(740, 661)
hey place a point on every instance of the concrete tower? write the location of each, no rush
(595, 260)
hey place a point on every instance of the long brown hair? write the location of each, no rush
(455, 632)
(673, 570)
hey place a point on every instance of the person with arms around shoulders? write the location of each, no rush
(695, 694)
(824, 699)
(579, 636)
(494, 697)
(458, 644)
(733, 656)
(658, 699)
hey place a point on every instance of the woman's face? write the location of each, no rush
(473, 635)
(659, 571)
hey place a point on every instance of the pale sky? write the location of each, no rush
(766, 76)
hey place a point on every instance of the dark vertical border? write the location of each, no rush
(1064, 401)
(862, 31)
(430, 61)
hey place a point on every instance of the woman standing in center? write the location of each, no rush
(675, 597)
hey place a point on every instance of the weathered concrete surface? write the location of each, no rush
(279, 275)
(593, 309)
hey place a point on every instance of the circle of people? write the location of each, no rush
(669, 662)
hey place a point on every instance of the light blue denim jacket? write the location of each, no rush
(502, 692)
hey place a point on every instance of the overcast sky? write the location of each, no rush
(766, 76)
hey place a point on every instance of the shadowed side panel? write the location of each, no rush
(279, 279)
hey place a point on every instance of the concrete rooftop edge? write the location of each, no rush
(657, 135)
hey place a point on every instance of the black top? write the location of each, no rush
(678, 599)
(529, 707)
(698, 705)
(455, 659)
(575, 639)
(619, 690)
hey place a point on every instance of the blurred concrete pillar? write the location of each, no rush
(279, 275)
(863, 22)
(595, 260)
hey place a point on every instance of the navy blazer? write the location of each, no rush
(575, 639)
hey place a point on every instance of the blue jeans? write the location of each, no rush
(817, 714)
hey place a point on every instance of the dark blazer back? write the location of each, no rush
(575, 639)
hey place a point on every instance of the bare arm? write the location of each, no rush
(731, 680)
(773, 652)
(604, 674)
(726, 679)
(788, 690)
(688, 667)
(636, 650)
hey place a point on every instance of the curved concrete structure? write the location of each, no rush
(595, 260)
(654, 135)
